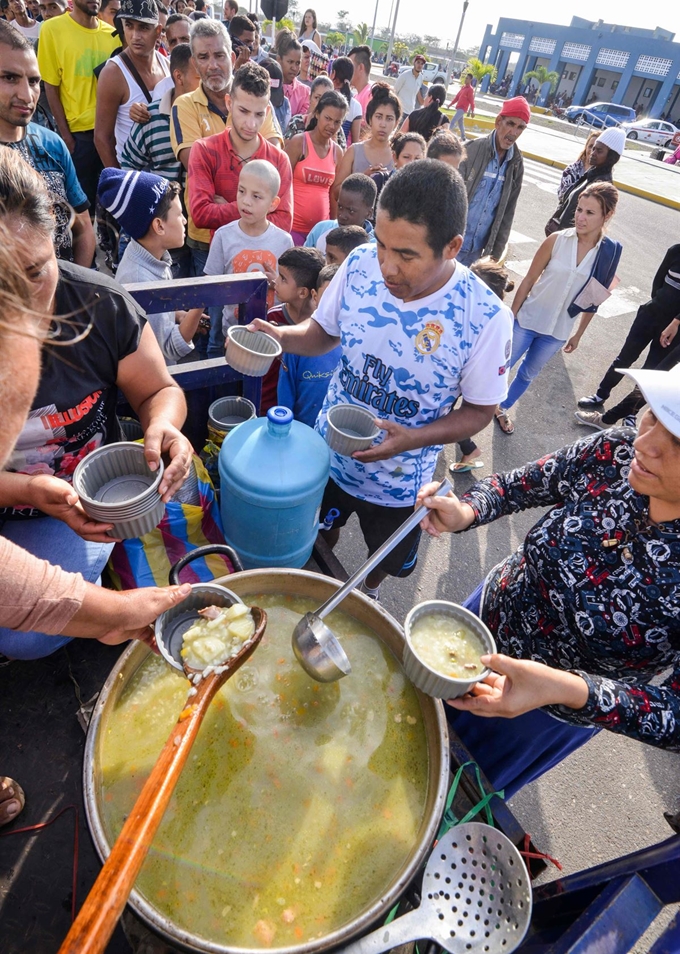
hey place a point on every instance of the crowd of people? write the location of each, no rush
(181, 147)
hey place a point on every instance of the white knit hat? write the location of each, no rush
(613, 138)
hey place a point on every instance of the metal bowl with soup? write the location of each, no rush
(305, 808)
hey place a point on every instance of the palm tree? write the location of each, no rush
(542, 76)
(361, 33)
(479, 70)
(399, 49)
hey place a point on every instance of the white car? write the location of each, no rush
(657, 132)
(431, 73)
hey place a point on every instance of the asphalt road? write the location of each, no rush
(608, 798)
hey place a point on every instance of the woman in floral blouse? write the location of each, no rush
(587, 612)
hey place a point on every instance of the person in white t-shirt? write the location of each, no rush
(408, 86)
(418, 331)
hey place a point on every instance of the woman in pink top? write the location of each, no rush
(464, 100)
(289, 52)
(314, 156)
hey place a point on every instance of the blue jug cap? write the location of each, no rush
(279, 415)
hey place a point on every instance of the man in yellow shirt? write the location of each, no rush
(71, 47)
(201, 114)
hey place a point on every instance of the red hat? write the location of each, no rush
(517, 107)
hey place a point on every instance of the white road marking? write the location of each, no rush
(519, 267)
(516, 238)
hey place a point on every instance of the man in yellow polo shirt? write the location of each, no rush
(71, 47)
(201, 114)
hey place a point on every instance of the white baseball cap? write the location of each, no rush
(661, 390)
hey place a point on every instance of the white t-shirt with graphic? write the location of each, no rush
(232, 252)
(409, 363)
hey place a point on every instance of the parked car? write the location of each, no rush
(655, 131)
(600, 115)
(431, 73)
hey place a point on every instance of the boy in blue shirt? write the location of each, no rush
(303, 381)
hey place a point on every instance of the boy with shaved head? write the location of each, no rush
(252, 242)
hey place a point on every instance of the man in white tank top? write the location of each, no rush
(127, 78)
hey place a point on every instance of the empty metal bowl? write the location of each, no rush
(422, 675)
(251, 352)
(350, 428)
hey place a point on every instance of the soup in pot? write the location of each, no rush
(300, 801)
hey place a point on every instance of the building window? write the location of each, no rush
(612, 58)
(575, 51)
(572, 76)
(614, 85)
(600, 81)
(540, 44)
(647, 93)
(512, 41)
(653, 64)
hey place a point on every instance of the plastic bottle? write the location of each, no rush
(273, 472)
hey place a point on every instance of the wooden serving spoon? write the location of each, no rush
(91, 930)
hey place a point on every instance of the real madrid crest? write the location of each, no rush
(429, 338)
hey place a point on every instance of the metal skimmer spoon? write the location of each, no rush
(476, 897)
(316, 647)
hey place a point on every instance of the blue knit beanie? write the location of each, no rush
(132, 198)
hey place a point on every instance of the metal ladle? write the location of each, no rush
(476, 897)
(316, 647)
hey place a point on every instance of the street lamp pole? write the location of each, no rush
(466, 3)
(375, 18)
(394, 27)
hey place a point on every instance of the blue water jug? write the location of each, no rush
(273, 472)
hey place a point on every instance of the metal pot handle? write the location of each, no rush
(198, 554)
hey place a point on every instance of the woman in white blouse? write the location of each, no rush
(545, 316)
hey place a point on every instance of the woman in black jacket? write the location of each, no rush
(605, 153)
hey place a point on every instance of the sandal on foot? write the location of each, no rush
(464, 467)
(504, 422)
(11, 793)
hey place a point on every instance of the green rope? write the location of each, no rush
(449, 819)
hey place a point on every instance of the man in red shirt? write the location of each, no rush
(215, 163)
(464, 100)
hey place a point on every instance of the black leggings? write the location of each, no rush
(645, 330)
(633, 401)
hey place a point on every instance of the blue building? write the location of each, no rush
(594, 60)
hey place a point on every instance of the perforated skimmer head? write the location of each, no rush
(478, 884)
(476, 897)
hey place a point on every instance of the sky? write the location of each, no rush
(444, 23)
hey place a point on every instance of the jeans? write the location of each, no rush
(458, 118)
(645, 330)
(514, 752)
(51, 540)
(216, 343)
(538, 350)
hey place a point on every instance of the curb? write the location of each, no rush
(621, 186)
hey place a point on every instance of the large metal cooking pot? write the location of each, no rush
(285, 582)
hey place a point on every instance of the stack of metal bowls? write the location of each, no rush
(115, 485)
